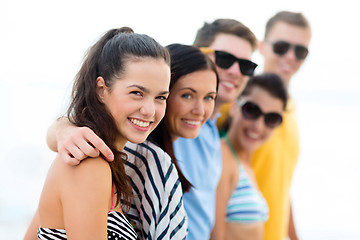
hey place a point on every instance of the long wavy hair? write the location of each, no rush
(185, 59)
(107, 58)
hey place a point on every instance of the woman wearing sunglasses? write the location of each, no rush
(241, 209)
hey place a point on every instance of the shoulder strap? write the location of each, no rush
(232, 148)
(112, 198)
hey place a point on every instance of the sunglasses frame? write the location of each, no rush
(267, 116)
(300, 51)
(245, 70)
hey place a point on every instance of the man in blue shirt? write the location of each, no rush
(230, 45)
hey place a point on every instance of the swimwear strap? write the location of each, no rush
(232, 148)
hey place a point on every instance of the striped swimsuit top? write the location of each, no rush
(118, 228)
(246, 204)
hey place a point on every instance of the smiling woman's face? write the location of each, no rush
(190, 103)
(137, 101)
(250, 134)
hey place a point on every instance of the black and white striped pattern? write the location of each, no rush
(157, 209)
(118, 228)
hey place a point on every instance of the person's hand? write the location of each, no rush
(80, 144)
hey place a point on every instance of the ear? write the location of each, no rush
(261, 47)
(101, 89)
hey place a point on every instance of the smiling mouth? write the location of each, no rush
(192, 122)
(253, 136)
(228, 84)
(140, 123)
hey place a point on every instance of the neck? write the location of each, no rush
(120, 144)
(241, 153)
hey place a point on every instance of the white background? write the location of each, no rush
(41, 47)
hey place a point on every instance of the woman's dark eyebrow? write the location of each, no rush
(140, 87)
(193, 90)
(146, 90)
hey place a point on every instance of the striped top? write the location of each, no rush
(157, 210)
(246, 204)
(117, 228)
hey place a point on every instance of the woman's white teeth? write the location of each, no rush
(253, 135)
(228, 84)
(140, 123)
(192, 122)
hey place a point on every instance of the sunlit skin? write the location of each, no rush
(190, 103)
(286, 65)
(232, 82)
(248, 135)
(245, 136)
(137, 101)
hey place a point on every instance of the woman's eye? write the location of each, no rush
(162, 98)
(137, 93)
(209, 98)
(186, 96)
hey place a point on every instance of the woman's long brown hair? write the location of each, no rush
(107, 58)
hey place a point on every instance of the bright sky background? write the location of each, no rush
(42, 44)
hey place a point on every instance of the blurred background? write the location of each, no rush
(41, 48)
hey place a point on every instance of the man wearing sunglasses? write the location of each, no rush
(230, 45)
(287, 36)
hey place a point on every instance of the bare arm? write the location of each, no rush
(85, 194)
(75, 143)
(226, 186)
(292, 229)
(31, 232)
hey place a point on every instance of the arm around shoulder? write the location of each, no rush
(75, 143)
(55, 127)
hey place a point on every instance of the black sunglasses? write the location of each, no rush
(282, 47)
(226, 60)
(252, 111)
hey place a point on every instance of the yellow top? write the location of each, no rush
(274, 164)
(224, 110)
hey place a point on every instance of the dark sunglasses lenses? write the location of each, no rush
(252, 111)
(273, 120)
(281, 47)
(301, 52)
(226, 60)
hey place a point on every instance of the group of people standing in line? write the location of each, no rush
(197, 146)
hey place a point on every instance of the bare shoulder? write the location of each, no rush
(227, 158)
(230, 166)
(89, 171)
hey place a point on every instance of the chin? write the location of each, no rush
(189, 135)
(137, 140)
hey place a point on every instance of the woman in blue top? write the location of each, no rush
(241, 209)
